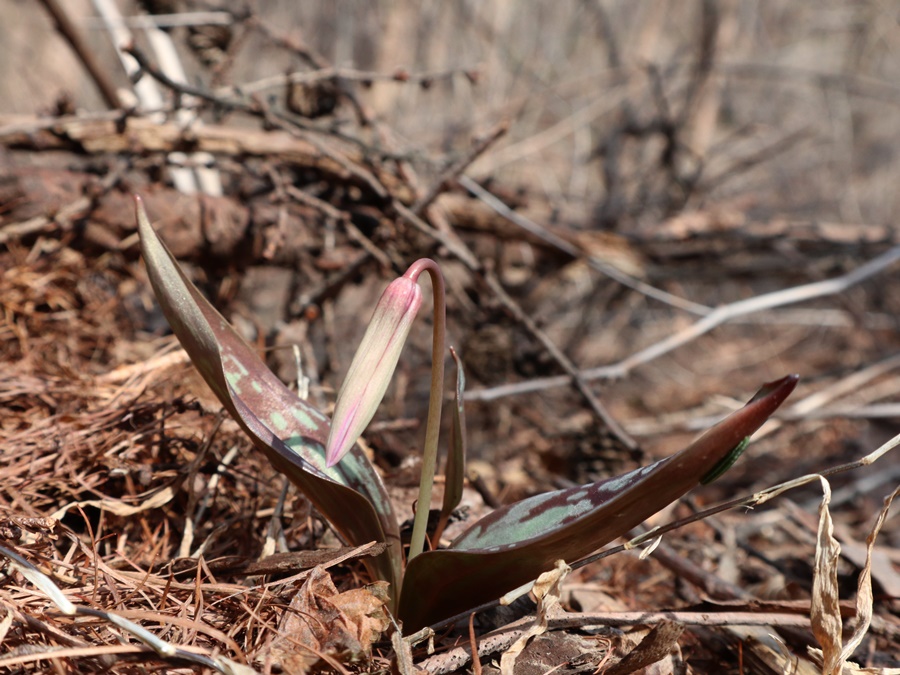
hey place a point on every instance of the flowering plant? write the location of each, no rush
(504, 550)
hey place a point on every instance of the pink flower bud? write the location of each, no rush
(372, 366)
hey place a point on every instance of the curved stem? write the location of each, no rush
(436, 398)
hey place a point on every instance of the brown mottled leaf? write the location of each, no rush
(516, 543)
(287, 429)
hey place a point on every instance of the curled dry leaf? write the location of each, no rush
(653, 648)
(323, 622)
(825, 610)
(864, 599)
(546, 591)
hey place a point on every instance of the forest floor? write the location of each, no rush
(124, 482)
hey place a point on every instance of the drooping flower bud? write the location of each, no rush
(372, 366)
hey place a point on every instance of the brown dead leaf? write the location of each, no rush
(864, 598)
(160, 498)
(825, 611)
(546, 591)
(323, 622)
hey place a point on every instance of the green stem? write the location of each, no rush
(436, 398)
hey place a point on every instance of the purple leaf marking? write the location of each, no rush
(516, 543)
(288, 430)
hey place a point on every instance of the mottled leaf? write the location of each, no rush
(516, 543)
(288, 430)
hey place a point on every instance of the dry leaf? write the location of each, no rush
(851, 668)
(118, 508)
(655, 646)
(546, 590)
(826, 616)
(321, 621)
(864, 588)
(825, 611)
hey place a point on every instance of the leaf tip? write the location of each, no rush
(779, 389)
(140, 213)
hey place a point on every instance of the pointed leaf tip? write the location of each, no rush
(781, 387)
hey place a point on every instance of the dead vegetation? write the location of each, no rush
(595, 182)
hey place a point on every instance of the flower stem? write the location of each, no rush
(436, 398)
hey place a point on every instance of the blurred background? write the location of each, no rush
(780, 107)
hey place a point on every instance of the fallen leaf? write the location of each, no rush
(655, 646)
(321, 622)
(118, 508)
(825, 611)
(546, 591)
(864, 588)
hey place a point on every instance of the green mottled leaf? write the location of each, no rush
(288, 430)
(514, 544)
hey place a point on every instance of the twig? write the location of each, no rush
(779, 146)
(574, 377)
(292, 561)
(292, 44)
(162, 648)
(258, 109)
(187, 180)
(570, 249)
(313, 58)
(348, 74)
(311, 200)
(169, 20)
(455, 246)
(686, 569)
(462, 253)
(145, 66)
(715, 318)
(456, 169)
(698, 417)
(344, 217)
(844, 386)
(605, 104)
(328, 287)
(147, 92)
(473, 645)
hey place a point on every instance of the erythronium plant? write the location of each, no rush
(506, 549)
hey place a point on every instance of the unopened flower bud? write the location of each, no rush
(372, 366)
